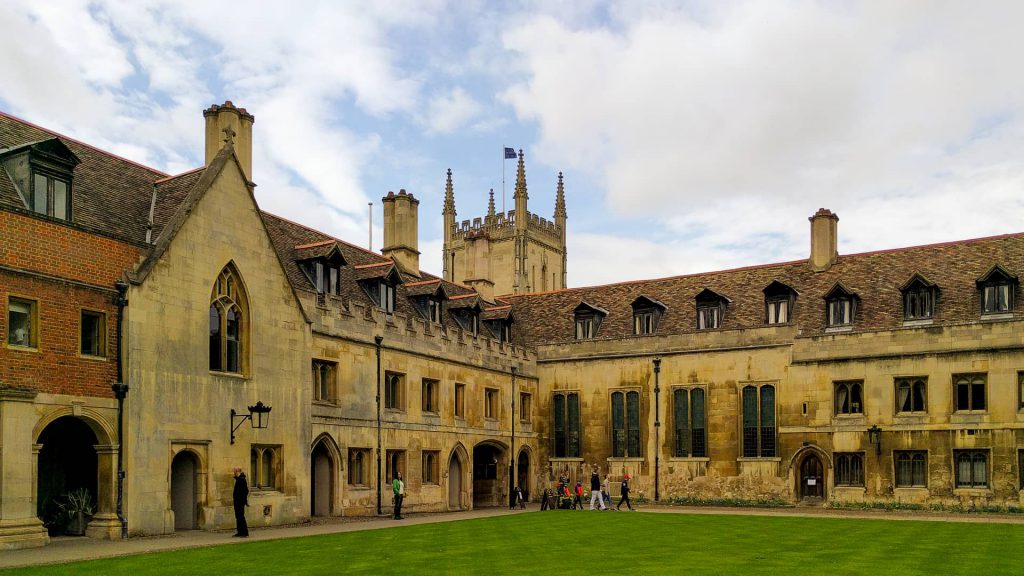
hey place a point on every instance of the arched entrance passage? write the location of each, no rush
(811, 478)
(67, 463)
(454, 483)
(184, 487)
(489, 475)
(322, 479)
(523, 473)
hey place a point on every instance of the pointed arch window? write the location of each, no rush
(228, 323)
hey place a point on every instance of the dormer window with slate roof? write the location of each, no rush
(840, 307)
(919, 296)
(434, 309)
(778, 302)
(996, 292)
(465, 308)
(588, 320)
(322, 262)
(710, 309)
(646, 315)
(379, 281)
(386, 296)
(42, 173)
(428, 298)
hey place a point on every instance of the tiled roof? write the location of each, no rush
(876, 277)
(170, 193)
(110, 195)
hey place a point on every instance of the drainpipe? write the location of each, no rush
(657, 426)
(512, 452)
(120, 389)
(377, 340)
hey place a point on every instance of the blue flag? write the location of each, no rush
(510, 153)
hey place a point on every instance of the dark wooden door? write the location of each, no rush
(812, 480)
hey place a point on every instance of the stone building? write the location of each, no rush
(512, 252)
(888, 376)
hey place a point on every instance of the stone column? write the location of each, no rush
(105, 524)
(19, 457)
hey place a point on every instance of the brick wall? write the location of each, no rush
(35, 247)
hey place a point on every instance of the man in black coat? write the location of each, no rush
(241, 500)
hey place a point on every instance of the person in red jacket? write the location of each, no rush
(577, 496)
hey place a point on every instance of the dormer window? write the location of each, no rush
(919, 297)
(646, 315)
(474, 322)
(434, 310)
(710, 309)
(996, 290)
(323, 275)
(42, 174)
(386, 296)
(588, 320)
(840, 306)
(778, 303)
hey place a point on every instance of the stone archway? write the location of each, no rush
(67, 463)
(523, 472)
(490, 475)
(185, 469)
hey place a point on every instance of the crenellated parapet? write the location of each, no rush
(502, 225)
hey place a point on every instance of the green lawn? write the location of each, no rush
(601, 544)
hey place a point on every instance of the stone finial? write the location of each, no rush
(520, 178)
(560, 212)
(449, 196)
(490, 204)
(229, 136)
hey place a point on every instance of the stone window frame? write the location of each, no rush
(395, 461)
(492, 408)
(849, 469)
(850, 387)
(684, 439)
(761, 440)
(571, 429)
(325, 381)
(359, 467)
(459, 401)
(229, 295)
(430, 466)
(394, 391)
(265, 460)
(912, 457)
(34, 337)
(972, 457)
(429, 396)
(525, 407)
(101, 333)
(973, 381)
(913, 384)
(630, 433)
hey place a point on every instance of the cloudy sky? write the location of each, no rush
(693, 136)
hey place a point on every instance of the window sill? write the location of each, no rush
(911, 414)
(1000, 317)
(568, 459)
(838, 329)
(264, 491)
(910, 490)
(328, 403)
(918, 323)
(973, 492)
(22, 348)
(359, 487)
(688, 459)
(760, 459)
(430, 414)
(94, 358)
(394, 411)
(232, 375)
(625, 459)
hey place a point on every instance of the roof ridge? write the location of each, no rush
(80, 143)
(336, 239)
(175, 176)
(315, 244)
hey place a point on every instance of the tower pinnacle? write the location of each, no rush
(560, 200)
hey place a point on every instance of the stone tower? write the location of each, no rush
(512, 252)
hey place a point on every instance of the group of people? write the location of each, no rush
(599, 493)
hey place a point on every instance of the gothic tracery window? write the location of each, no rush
(229, 323)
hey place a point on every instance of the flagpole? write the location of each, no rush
(502, 178)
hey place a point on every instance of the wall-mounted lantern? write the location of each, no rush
(258, 416)
(875, 437)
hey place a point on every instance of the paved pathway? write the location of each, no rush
(67, 549)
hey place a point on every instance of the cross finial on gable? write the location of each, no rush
(229, 136)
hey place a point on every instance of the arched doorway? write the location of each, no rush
(184, 485)
(454, 483)
(321, 476)
(523, 473)
(812, 478)
(67, 464)
(489, 475)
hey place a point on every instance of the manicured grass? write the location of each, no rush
(594, 543)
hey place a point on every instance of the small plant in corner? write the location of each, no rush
(76, 506)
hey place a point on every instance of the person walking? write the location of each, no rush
(595, 489)
(399, 489)
(240, 498)
(577, 499)
(625, 494)
(606, 493)
(545, 503)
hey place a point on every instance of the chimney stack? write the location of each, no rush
(226, 123)
(401, 230)
(478, 265)
(824, 240)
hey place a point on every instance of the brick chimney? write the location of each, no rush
(225, 122)
(401, 212)
(824, 240)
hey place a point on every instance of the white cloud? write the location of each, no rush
(450, 111)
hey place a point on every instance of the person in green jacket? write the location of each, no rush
(399, 488)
